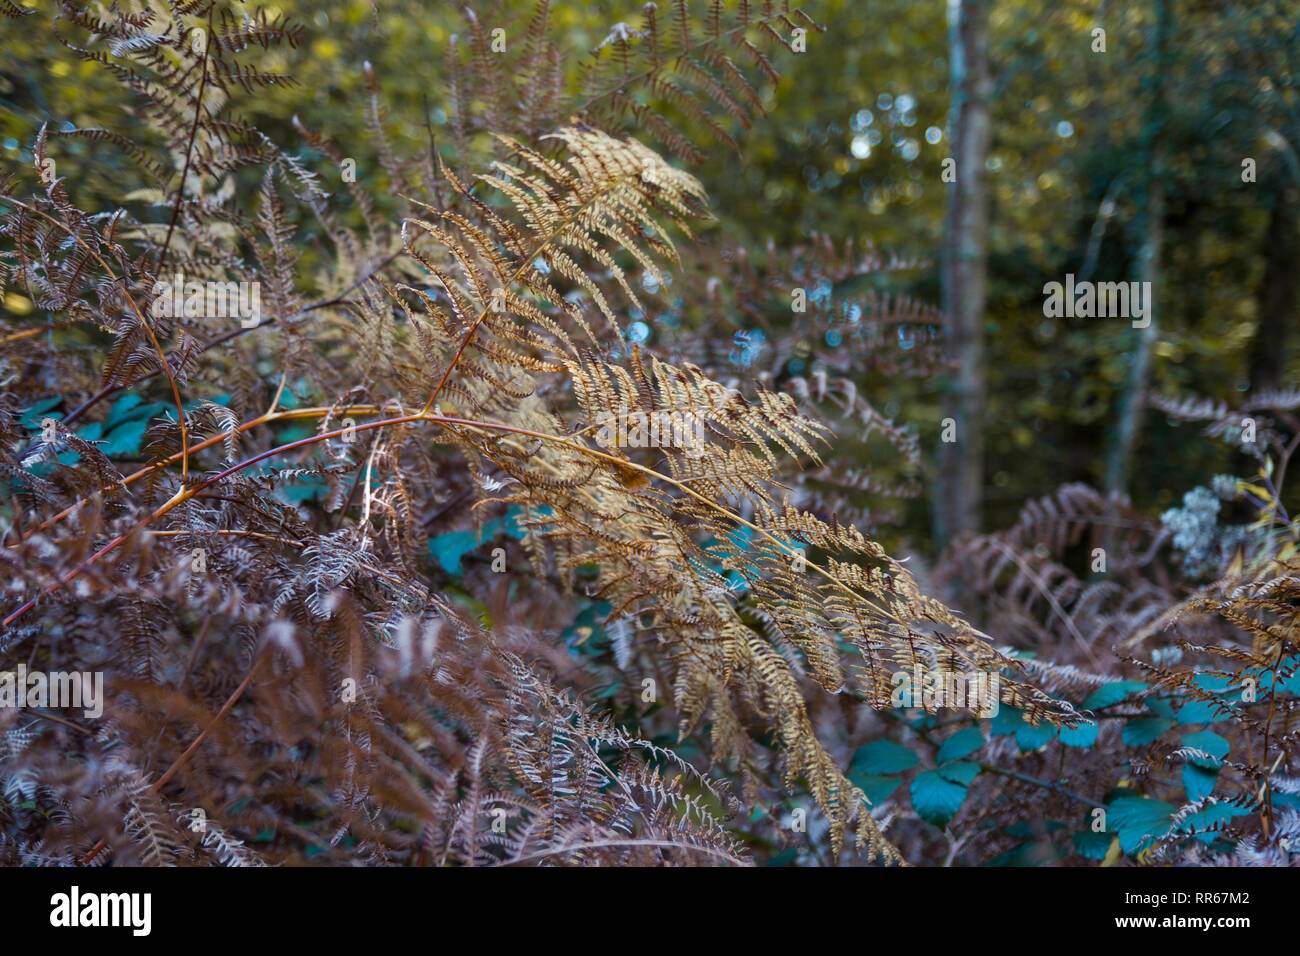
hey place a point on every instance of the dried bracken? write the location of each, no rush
(278, 658)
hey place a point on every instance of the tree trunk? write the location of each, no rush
(965, 252)
(1277, 299)
(1133, 403)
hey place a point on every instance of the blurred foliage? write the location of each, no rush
(854, 151)
(857, 153)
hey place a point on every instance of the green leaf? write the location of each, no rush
(1143, 730)
(883, 757)
(961, 744)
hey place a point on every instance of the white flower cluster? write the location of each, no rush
(1197, 533)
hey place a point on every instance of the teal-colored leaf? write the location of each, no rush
(448, 549)
(1113, 693)
(1197, 712)
(1204, 711)
(1085, 735)
(935, 798)
(1138, 821)
(1216, 814)
(1032, 829)
(962, 773)
(122, 409)
(1143, 730)
(125, 440)
(961, 744)
(1198, 781)
(1092, 846)
(788, 857)
(1286, 799)
(1010, 720)
(1031, 738)
(1209, 742)
(878, 789)
(883, 757)
(302, 490)
(1161, 707)
(1029, 854)
(1214, 683)
(1291, 682)
(32, 417)
(585, 636)
(1006, 721)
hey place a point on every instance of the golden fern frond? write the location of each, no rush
(663, 523)
(607, 197)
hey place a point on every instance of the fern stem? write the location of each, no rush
(188, 492)
(709, 502)
(189, 147)
(110, 388)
